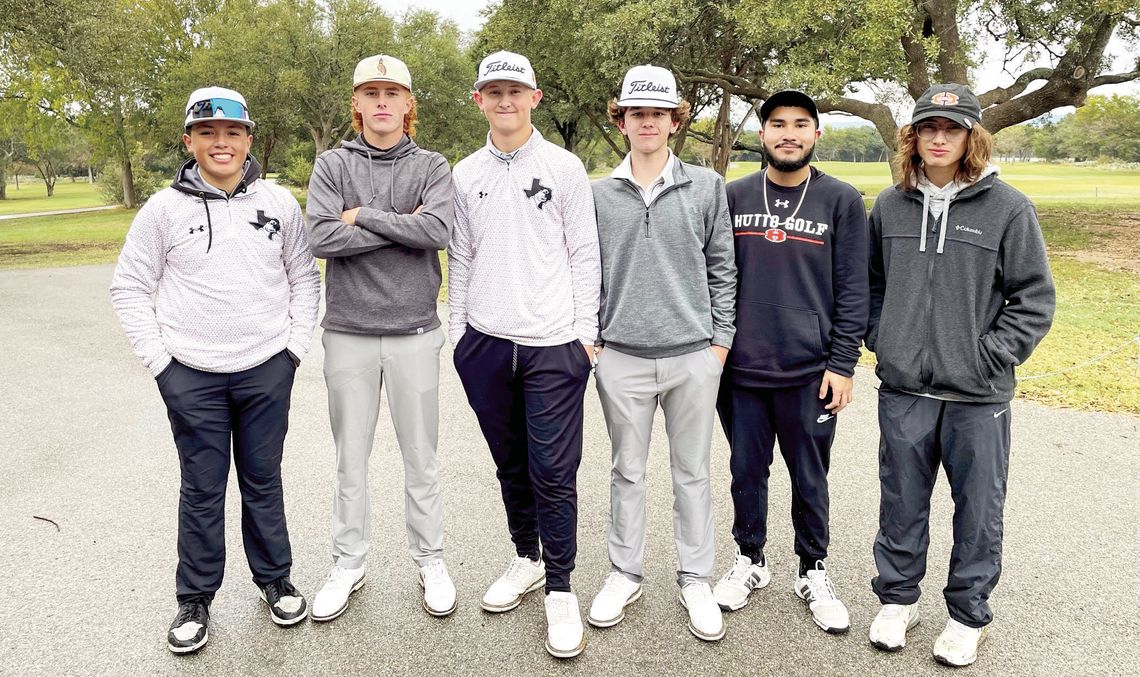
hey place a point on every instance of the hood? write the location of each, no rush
(937, 200)
(390, 156)
(188, 180)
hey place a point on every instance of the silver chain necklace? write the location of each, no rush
(803, 194)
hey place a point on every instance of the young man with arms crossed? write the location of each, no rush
(960, 295)
(380, 209)
(523, 283)
(220, 303)
(669, 291)
(801, 312)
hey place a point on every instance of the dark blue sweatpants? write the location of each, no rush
(529, 404)
(208, 412)
(753, 420)
(971, 442)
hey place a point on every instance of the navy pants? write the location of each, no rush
(208, 412)
(753, 420)
(529, 404)
(971, 442)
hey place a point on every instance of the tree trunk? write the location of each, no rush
(129, 199)
(722, 135)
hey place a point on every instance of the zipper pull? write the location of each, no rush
(647, 222)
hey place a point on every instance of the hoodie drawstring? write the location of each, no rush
(209, 224)
(925, 213)
(392, 186)
(942, 230)
(371, 186)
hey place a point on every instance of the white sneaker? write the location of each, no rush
(439, 591)
(888, 630)
(704, 615)
(522, 576)
(732, 590)
(957, 646)
(609, 605)
(332, 600)
(564, 637)
(828, 612)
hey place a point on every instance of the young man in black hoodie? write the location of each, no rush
(960, 294)
(801, 312)
(380, 210)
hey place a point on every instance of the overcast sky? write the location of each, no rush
(466, 14)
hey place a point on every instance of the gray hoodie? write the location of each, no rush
(668, 269)
(383, 273)
(953, 319)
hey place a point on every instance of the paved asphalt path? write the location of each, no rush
(57, 212)
(84, 441)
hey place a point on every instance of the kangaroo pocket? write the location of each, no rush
(775, 339)
(958, 367)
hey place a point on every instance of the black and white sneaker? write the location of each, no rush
(190, 628)
(286, 604)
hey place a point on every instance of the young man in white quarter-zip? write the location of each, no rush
(380, 210)
(667, 324)
(218, 294)
(523, 284)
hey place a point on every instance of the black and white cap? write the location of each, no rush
(649, 86)
(506, 66)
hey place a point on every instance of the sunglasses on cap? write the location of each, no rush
(218, 108)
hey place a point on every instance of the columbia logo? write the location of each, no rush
(967, 229)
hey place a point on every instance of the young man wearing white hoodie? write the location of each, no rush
(523, 284)
(220, 303)
(380, 209)
(669, 275)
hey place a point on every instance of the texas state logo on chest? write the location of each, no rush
(779, 230)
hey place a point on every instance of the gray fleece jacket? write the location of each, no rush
(955, 306)
(669, 269)
(383, 273)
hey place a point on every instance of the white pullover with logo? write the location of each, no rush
(523, 263)
(220, 283)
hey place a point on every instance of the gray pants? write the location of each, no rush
(686, 386)
(356, 367)
(971, 441)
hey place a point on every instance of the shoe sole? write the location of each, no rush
(744, 603)
(697, 633)
(435, 612)
(621, 616)
(183, 650)
(883, 646)
(517, 601)
(344, 607)
(566, 654)
(829, 630)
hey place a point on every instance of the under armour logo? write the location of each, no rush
(200, 229)
(783, 204)
(267, 223)
(538, 193)
(483, 195)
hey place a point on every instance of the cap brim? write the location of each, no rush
(647, 103)
(480, 84)
(248, 123)
(963, 120)
(392, 80)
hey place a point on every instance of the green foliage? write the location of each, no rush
(298, 166)
(851, 144)
(146, 183)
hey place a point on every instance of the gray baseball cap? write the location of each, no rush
(953, 102)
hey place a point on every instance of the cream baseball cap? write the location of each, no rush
(382, 68)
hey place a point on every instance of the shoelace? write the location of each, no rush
(819, 586)
(338, 572)
(614, 583)
(893, 611)
(434, 572)
(280, 589)
(559, 609)
(700, 593)
(515, 572)
(740, 570)
(192, 610)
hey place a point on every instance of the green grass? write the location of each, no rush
(32, 197)
(63, 240)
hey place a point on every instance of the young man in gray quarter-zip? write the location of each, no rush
(380, 210)
(666, 326)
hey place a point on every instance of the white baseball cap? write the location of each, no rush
(650, 86)
(216, 103)
(382, 68)
(506, 66)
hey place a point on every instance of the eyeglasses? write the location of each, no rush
(218, 108)
(927, 132)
